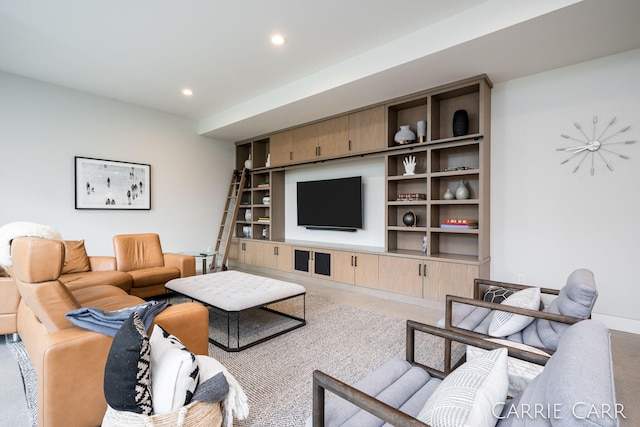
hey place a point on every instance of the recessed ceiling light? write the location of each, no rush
(277, 39)
(187, 92)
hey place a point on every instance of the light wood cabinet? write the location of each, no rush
(246, 251)
(281, 148)
(333, 137)
(355, 268)
(367, 130)
(277, 256)
(305, 143)
(428, 279)
(313, 262)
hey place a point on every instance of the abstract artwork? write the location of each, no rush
(109, 184)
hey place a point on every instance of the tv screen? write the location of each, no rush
(330, 204)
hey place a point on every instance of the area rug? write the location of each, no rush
(344, 341)
(341, 340)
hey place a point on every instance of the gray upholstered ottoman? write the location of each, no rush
(234, 293)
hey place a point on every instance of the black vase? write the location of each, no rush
(460, 123)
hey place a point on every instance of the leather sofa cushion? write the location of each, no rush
(75, 281)
(76, 259)
(153, 276)
(35, 260)
(137, 251)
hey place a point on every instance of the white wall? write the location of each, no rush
(42, 128)
(547, 221)
(372, 232)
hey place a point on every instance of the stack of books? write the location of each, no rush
(263, 219)
(459, 223)
(402, 197)
(263, 185)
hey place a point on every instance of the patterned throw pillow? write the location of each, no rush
(175, 372)
(127, 375)
(504, 324)
(472, 395)
(497, 294)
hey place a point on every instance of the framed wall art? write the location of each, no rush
(110, 184)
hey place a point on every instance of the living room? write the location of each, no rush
(546, 220)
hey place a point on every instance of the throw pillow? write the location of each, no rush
(521, 372)
(75, 259)
(504, 323)
(472, 395)
(175, 372)
(497, 294)
(127, 378)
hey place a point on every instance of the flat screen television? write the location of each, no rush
(330, 204)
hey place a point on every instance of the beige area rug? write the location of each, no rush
(341, 340)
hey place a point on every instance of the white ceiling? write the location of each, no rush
(339, 55)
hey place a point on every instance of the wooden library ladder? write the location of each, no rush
(229, 216)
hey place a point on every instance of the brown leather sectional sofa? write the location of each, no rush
(70, 361)
(139, 268)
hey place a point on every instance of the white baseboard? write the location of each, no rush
(618, 323)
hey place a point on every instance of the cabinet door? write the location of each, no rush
(253, 252)
(322, 264)
(447, 278)
(281, 148)
(333, 137)
(400, 275)
(366, 270)
(269, 257)
(284, 255)
(367, 130)
(305, 143)
(234, 251)
(343, 267)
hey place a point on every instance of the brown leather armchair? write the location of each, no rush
(141, 256)
(70, 361)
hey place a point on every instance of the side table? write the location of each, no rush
(204, 255)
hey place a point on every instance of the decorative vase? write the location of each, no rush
(405, 135)
(422, 131)
(462, 192)
(247, 215)
(248, 163)
(266, 200)
(410, 219)
(448, 195)
(268, 162)
(460, 123)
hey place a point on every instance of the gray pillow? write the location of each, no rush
(576, 299)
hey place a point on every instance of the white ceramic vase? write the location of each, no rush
(462, 192)
(405, 135)
(248, 163)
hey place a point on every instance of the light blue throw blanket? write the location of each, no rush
(109, 323)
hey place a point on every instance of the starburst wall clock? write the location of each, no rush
(596, 147)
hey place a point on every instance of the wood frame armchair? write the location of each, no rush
(323, 381)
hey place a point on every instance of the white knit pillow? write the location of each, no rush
(174, 372)
(472, 395)
(504, 324)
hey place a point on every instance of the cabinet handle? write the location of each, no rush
(356, 261)
(352, 261)
(290, 155)
(349, 147)
(425, 270)
(420, 270)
